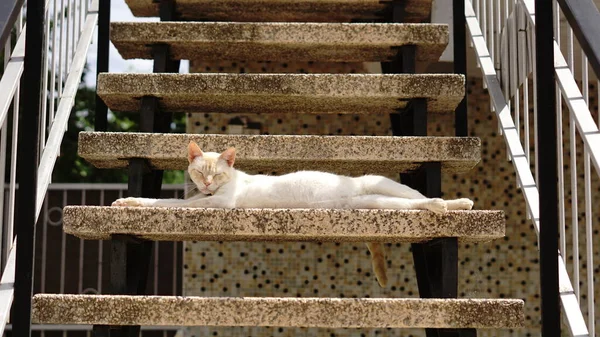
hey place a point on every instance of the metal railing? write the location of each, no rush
(70, 265)
(12, 41)
(62, 30)
(503, 35)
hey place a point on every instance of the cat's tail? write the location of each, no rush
(378, 261)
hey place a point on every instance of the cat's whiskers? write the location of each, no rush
(189, 192)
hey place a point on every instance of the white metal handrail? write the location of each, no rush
(58, 127)
(506, 73)
(9, 97)
(69, 27)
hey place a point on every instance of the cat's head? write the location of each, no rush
(210, 170)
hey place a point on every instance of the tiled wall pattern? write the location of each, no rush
(506, 268)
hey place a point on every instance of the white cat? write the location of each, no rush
(222, 186)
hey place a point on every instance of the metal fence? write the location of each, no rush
(67, 265)
(13, 45)
(503, 36)
(62, 30)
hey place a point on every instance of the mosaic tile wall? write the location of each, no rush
(506, 268)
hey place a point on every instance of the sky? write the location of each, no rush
(120, 12)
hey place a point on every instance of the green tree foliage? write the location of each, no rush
(72, 168)
(69, 167)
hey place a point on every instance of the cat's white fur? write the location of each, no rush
(222, 186)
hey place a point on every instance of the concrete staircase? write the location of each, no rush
(292, 93)
(349, 154)
(146, 153)
(285, 312)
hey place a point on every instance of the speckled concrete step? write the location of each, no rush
(285, 10)
(340, 154)
(328, 42)
(281, 312)
(292, 93)
(339, 225)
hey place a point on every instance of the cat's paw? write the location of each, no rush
(134, 202)
(437, 205)
(465, 204)
(462, 204)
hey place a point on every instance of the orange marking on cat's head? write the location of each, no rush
(229, 156)
(194, 151)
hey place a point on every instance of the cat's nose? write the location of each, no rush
(206, 183)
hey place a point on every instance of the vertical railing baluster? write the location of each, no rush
(460, 64)
(175, 272)
(512, 25)
(155, 282)
(63, 250)
(573, 175)
(589, 232)
(515, 74)
(524, 48)
(45, 78)
(3, 210)
(81, 251)
(570, 60)
(497, 33)
(585, 85)
(547, 158)
(63, 253)
(100, 121)
(475, 4)
(559, 137)
(535, 106)
(80, 19)
(28, 157)
(591, 291)
(13, 158)
(74, 34)
(61, 51)
(45, 222)
(100, 252)
(53, 79)
(526, 118)
(68, 43)
(574, 203)
(483, 24)
(3, 145)
(588, 205)
(490, 29)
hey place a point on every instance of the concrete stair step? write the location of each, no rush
(285, 10)
(281, 312)
(339, 225)
(291, 93)
(325, 42)
(268, 153)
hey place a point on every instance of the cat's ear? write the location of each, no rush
(229, 156)
(194, 151)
